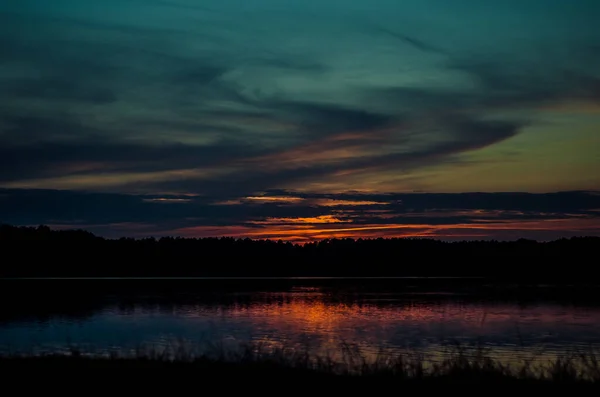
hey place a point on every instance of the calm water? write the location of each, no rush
(299, 316)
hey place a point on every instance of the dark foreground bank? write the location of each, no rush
(298, 370)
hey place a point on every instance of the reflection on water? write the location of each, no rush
(313, 319)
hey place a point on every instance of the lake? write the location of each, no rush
(323, 316)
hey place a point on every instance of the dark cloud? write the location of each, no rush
(21, 129)
(54, 206)
(414, 42)
(319, 119)
(561, 202)
(291, 62)
(165, 214)
(513, 83)
(199, 74)
(459, 134)
(471, 134)
(178, 5)
(60, 89)
(56, 159)
(262, 173)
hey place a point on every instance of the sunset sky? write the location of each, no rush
(302, 119)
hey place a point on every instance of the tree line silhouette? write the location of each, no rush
(42, 252)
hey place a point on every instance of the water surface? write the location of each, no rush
(299, 315)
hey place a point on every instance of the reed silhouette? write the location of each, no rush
(459, 366)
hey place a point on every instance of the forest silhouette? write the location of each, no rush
(42, 252)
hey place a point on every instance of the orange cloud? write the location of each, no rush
(262, 199)
(323, 202)
(167, 200)
(317, 219)
(333, 149)
(334, 203)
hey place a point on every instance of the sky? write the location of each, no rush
(303, 119)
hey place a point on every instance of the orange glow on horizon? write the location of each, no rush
(290, 231)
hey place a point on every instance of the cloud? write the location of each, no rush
(90, 157)
(169, 96)
(300, 216)
(319, 119)
(411, 41)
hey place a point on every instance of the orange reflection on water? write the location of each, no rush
(319, 312)
(390, 323)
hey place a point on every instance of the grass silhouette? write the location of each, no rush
(461, 365)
